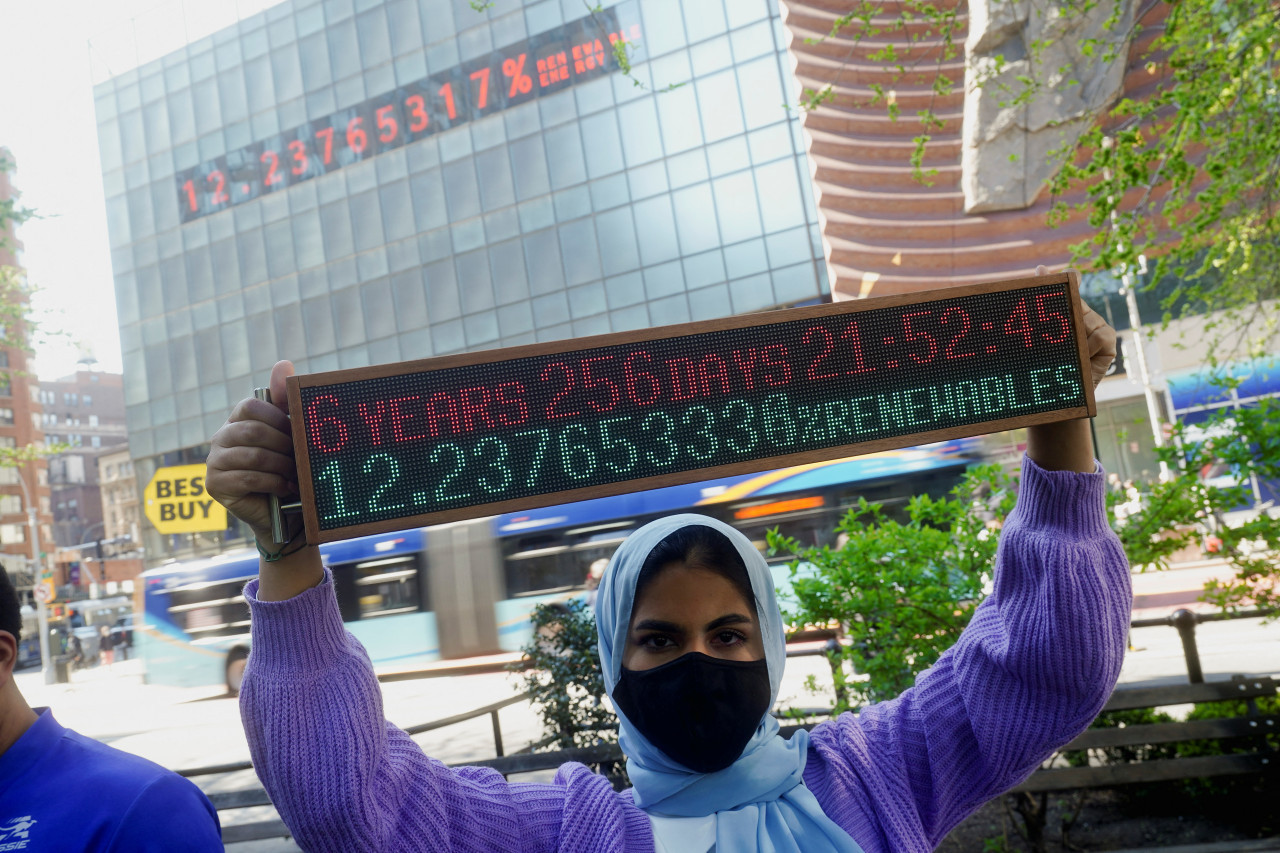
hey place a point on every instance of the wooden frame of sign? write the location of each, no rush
(475, 434)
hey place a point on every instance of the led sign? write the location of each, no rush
(461, 436)
(548, 62)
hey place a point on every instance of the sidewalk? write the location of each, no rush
(1158, 593)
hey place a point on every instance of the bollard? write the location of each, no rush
(1185, 622)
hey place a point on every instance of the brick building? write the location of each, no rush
(21, 418)
(86, 411)
(121, 509)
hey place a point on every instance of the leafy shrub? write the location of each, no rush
(900, 592)
(564, 676)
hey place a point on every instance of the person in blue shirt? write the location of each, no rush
(61, 791)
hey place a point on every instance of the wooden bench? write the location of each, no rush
(593, 756)
(1250, 730)
(1054, 777)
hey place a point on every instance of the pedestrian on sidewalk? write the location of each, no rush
(106, 646)
(692, 647)
(61, 792)
(75, 649)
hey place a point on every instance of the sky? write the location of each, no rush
(47, 72)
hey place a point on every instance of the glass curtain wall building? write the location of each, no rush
(353, 182)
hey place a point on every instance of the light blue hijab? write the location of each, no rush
(760, 801)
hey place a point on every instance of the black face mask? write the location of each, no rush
(699, 710)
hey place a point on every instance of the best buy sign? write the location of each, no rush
(176, 502)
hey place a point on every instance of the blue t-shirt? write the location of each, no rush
(60, 791)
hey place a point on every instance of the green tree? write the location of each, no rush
(1188, 175)
(901, 592)
(1191, 507)
(18, 326)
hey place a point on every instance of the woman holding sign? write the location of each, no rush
(692, 646)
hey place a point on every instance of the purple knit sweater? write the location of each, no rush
(1030, 672)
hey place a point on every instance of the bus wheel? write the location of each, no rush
(236, 659)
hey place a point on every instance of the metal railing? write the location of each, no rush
(491, 710)
(1186, 621)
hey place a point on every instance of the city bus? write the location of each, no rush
(465, 589)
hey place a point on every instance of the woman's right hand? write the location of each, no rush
(251, 457)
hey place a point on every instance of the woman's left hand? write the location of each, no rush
(1067, 445)
(1100, 338)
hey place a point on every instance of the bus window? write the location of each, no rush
(206, 610)
(380, 587)
(809, 519)
(599, 547)
(538, 565)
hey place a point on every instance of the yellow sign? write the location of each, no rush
(176, 502)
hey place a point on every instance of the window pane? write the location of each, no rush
(704, 19)
(603, 145)
(718, 101)
(663, 27)
(410, 300)
(780, 185)
(231, 93)
(704, 269)
(736, 206)
(317, 317)
(405, 33)
(664, 280)
(429, 211)
(348, 317)
(762, 96)
(442, 292)
(344, 50)
(542, 259)
(578, 247)
(657, 230)
(678, 111)
(375, 46)
(477, 288)
(335, 223)
(696, 219)
(279, 249)
(496, 187)
(461, 190)
(510, 282)
(397, 211)
(308, 239)
(770, 143)
(564, 152)
(286, 72)
(155, 118)
(639, 123)
(366, 220)
(529, 165)
(313, 53)
(379, 313)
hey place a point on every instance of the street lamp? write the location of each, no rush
(42, 612)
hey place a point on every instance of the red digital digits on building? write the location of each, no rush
(461, 94)
(553, 69)
(588, 56)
